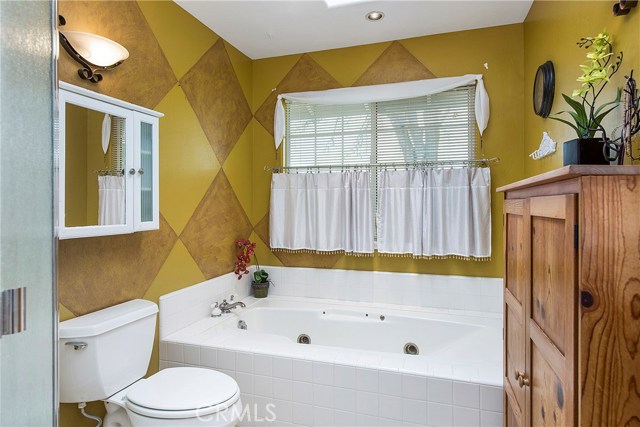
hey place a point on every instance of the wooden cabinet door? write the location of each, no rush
(610, 301)
(550, 376)
(516, 282)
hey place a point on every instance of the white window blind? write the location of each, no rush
(429, 128)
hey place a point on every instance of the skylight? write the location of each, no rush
(341, 3)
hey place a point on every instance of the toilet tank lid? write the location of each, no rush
(104, 320)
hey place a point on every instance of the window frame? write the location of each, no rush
(374, 156)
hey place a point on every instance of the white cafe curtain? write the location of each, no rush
(321, 212)
(385, 92)
(111, 200)
(435, 213)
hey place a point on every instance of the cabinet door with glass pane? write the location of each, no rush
(146, 183)
(108, 165)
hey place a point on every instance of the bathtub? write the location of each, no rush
(329, 363)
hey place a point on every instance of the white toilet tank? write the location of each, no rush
(103, 352)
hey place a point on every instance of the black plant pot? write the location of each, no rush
(584, 151)
(260, 290)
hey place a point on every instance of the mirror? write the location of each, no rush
(94, 167)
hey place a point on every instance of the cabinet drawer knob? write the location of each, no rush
(522, 379)
(132, 171)
(141, 171)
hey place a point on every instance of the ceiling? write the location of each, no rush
(269, 28)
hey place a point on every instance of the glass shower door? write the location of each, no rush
(27, 291)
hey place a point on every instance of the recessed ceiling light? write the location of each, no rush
(374, 16)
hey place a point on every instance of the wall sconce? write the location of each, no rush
(623, 7)
(95, 53)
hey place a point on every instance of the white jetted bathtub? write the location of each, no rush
(329, 363)
(463, 342)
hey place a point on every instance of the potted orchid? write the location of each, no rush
(585, 113)
(260, 280)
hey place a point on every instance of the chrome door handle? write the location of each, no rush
(13, 311)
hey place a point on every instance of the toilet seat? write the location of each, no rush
(182, 393)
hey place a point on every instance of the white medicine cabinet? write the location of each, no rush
(108, 165)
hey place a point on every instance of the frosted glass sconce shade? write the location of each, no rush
(93, 52)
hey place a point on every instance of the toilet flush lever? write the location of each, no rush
(77, 345)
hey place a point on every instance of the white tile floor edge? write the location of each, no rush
(315, 393)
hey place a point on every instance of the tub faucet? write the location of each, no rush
(216, 312)
(225, 307)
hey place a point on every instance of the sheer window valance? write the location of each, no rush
(385, 92)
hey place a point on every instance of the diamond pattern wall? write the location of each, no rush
(145, 77)
(206, 113)
(188, 164)
(214, 227)
(216, 96)
(305, 75)
(98, 272)
(213, 188)
(213, 148)
(395, 65)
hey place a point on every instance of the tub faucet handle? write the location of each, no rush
(215, 312)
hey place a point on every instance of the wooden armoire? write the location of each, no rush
(572, 298)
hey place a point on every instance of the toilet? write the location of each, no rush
(104, 355)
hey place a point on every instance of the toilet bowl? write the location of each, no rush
(177, 397)
(104, 355)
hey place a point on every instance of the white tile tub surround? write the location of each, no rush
(186, 306)
(472, 294)
(460, 293)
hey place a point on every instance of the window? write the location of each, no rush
(429, 128)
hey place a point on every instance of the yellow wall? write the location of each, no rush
(551, 31)
(76, 158)
(452, 54)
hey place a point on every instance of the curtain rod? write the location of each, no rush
(103, 172)
(434, 163)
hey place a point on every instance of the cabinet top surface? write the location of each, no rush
(568, 172)
(108, 99)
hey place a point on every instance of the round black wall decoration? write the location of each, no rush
(543, 88)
